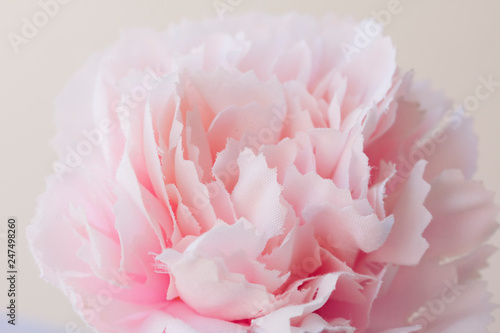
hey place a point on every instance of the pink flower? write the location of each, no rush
(246, 175)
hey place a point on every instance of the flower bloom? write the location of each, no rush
(246, 175)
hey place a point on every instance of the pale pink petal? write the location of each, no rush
(410, 220)
(257, 193)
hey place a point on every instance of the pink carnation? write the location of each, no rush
(249, 175)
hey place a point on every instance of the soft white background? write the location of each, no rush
(450, 42)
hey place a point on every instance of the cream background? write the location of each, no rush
(450, 42)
